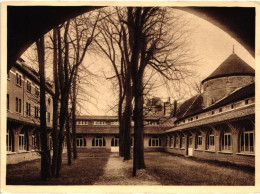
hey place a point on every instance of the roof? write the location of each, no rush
(189, 106)
(195, 104)
(32, 74)
(233, 65)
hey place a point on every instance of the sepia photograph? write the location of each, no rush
(128, 95)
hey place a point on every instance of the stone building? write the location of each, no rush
(218, 124)
(23, 112)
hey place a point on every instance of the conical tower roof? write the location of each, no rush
(233, 65)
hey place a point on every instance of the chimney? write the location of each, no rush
(174, 107)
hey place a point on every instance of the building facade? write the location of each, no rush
(96, 132)
(23, 112)
(219, 124)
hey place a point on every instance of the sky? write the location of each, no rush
(209, 44)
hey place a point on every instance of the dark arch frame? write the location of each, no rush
(26, 24)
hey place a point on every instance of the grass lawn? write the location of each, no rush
(109, 169)
(84, 171)
(171, 169)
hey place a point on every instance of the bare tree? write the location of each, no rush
(45, 152)
(157, 41)
(113, 43)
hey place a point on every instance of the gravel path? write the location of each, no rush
(119, 172)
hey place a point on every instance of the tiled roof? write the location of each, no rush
(194, 105)
(189, 106)
(233, 65)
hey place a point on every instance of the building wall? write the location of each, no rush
(234, 154)
(20, 122)
(218, 88)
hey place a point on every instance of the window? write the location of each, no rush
(82, 122)
(35, 141)
(176, 141)
(183, 121)
(28, 109)
(210, 141)
(213, 100)
(18, 105)
(226, 140)
(182, 143)
(220, 109)
(115, 142)
(81, 142)
(198, 141)
(246, 102)
(36, 112)
(29, 86)
(247, 141)
(114, 123)
(37, 91)
(213, 112)
(197, 117)
(171, 140)
(9, 141)
(190, 140)
(7, 102)
(18, 79)
(99, 123)
(152, 122)
(98, 142)
(23, 141)
(154, 142)
(232, 106)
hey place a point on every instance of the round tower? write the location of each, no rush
(232, 74)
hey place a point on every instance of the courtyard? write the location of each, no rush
(104, 168)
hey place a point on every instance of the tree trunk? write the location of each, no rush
(55, 104)
(45, 153)
(68, 140)
(73, 110)
(139, 127)
(128, 117)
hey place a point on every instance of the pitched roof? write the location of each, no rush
(233, 65)
(194, 105)
(190, 106)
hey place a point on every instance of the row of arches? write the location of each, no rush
(245, 140)
(25, 142)
(99, 141)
